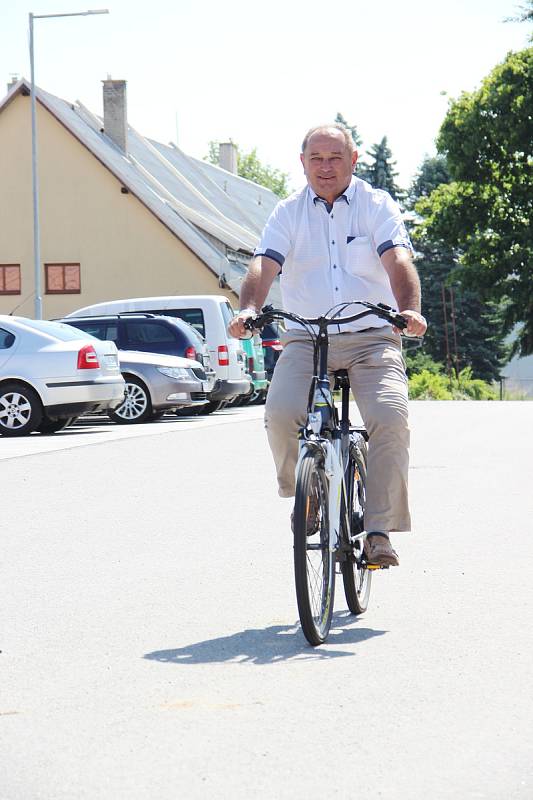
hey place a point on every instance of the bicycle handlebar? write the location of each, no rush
(269, 313)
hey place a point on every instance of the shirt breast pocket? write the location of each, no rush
(360, 255)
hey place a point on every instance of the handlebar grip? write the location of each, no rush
(258, 322)
(399, 321)
(249, 323)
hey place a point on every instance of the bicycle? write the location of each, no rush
(330, 493)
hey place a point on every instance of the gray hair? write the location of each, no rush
(350, 146)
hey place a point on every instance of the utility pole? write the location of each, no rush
(34, 165)
(448, 360)
(454, 332)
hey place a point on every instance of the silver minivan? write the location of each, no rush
(210, 315)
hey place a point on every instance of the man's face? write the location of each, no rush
(328, 163)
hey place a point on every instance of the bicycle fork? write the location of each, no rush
(337, 489)
(336, 485)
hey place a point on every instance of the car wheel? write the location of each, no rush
(212, 406)
(54, 425)
(137, 406)
(21, 410)
(235, 401)
(186, 411)
(258, 398)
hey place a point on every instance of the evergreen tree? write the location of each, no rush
(339, 119)
(463, 331)
(432, 173)
(360, 168)
(380, 171)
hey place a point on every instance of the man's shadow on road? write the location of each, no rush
(269, 645)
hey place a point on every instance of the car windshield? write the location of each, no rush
(65, 333)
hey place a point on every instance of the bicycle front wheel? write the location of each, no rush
(314, 564)
(355, 575)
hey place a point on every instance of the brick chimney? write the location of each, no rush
(227, 157)
(115, 112)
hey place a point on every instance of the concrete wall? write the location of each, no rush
(123, 249)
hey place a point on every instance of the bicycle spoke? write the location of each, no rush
(356, 577)
(314, 566)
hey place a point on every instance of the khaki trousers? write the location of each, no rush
(379, 384)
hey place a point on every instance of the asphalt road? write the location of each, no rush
(149, 636)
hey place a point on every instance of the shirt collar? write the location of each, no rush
(347, 195)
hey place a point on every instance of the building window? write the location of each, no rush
(9, 278)
(62, 278)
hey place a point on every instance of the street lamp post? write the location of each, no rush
(35, 176)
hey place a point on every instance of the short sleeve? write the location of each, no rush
(388, 226)
(276, 238)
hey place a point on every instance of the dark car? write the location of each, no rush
(272, 347)
(147, 333)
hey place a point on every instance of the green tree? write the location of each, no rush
(360, 168)
(340, 120)
(379, 172)
(526, 15)
(463, 331)
(432, 173)
(484, 212)
(249, 166)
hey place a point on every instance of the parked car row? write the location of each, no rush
(210, 316)
(164, 354)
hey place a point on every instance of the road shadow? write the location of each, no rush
(270, 645)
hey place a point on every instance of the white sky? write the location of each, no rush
(262, 74)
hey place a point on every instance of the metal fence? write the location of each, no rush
(516, 388)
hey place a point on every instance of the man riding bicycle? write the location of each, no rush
(335, 241)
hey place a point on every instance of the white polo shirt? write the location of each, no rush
(330, 253)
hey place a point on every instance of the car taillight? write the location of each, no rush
(250, 364)
(87, 358)
(223, 355)
(190, 353)
(274, 343)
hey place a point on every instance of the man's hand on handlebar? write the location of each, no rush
(236, 327)
(416, 324)
(408, 322)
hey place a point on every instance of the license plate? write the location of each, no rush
(111, 361)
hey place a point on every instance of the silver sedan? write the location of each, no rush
(50, 373)
(157, 383)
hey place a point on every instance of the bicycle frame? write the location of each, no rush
(333, 443)
(330, 453)
(322, 428)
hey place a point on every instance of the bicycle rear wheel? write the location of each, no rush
(314, 564)
(356, 577)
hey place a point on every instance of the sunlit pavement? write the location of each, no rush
(149, 639)
(97, 429)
